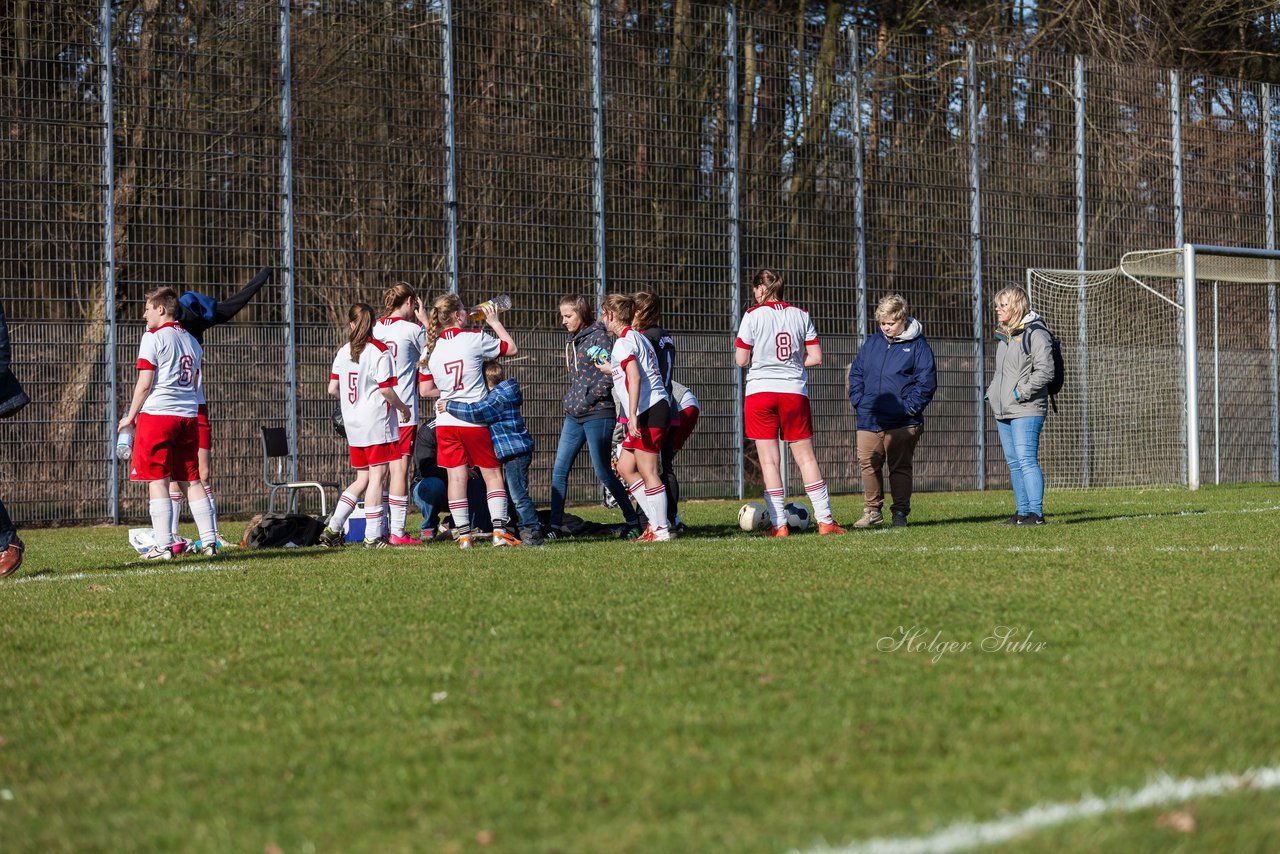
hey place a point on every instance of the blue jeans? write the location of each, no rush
(431, 494)
(517, 471)
(7, 529)
(1020, 438)
(598, 437)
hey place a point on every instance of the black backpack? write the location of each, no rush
(1059, 367)
(278, 529)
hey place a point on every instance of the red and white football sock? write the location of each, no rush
(657, 498)
(213, 510)
(202, 512)
(497, 502)
(175, 503)
(773, 501)
(461, 514)
(399, 511)
(821, 501)
(346, 505)
(642, 501)
(372, 523)
(162, 522)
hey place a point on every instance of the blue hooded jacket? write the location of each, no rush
(892, 381)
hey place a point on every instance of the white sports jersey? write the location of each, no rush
(685, 397)
(366, 415)
(632, 346)
(456, 367)
(406, 340)
(176, 357)
(777, 334)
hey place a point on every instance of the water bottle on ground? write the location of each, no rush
(124, 443)
(500, 303)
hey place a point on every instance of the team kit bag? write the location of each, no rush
(278, 529)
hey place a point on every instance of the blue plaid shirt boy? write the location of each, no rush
(500, 411)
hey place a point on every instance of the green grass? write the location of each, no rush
(723, 692)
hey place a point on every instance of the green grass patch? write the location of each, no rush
(722, 692)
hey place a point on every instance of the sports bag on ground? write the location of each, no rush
(282, 530)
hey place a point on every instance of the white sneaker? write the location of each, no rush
(157, 553)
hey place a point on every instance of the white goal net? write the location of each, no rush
(1122, 416)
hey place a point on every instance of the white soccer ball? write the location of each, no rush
(798, 516)
(753, 517)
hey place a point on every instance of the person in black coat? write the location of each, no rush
(12, 399)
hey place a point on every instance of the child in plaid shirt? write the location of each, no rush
(499, 410)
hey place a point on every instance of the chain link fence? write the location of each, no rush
(490, 146)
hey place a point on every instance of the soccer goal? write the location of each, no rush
(1171, 350)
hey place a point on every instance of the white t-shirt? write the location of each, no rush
(777, 334)
(456, 366)
(176, 357)
(685, 397)
(406, 340)
(368, 418)
(632, 346)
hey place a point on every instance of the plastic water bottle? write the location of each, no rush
(598, 354)
(500, 303)
(124, 443)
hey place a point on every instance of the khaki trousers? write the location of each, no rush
(896, 447)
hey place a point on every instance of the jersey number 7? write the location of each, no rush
(455, 369)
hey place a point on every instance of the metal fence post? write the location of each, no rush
(109, 249)
(1082, 304)
(859, 188)
(597, 150)
(1269, 170)
(1187, 283)
(975, 226)
(450, 152)
(732, 132)
(289, 265)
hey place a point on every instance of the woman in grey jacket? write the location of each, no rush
(589, 414)
(1019, 399)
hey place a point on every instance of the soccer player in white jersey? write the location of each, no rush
(455, 368)
(637, 383)
(776, 343)
(401, 330)
(164, 411)
(365, 384)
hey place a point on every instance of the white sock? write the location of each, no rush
(658, 501)
(773, 500)
(461, 514)
(497, 502)
(346, 504)
(372, 523)
(202, 512)
(399, 505)
(821, 501)
(175, 502)
(642, 501)
(162, 522)
(213, 509)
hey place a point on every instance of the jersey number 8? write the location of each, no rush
(784, 345)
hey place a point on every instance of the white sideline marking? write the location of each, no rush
(130, 573)
(967, 835)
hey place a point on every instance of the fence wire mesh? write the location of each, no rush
(383, 108)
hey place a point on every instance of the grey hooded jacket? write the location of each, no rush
(1019, 386)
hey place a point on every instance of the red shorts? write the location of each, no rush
(650, 440)
(465, 446)
(688, 420)
(374, 455)
(202, 425)
(769, 413)
(408, 435)
(165, 446)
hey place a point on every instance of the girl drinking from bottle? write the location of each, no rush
(455, 366)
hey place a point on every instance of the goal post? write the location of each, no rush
(1130, 413)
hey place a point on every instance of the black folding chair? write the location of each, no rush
(275, 446)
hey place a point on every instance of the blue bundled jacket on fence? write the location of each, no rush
(892, 380)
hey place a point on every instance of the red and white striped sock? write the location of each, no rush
(642, 501)
(461, 514)
(346, 505)
(773, 501)
(372, 523)
(658, 501)
(821, 501)
(497, 501)
(175, 503)
(399, 505)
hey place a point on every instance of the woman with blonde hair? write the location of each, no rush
(455, 368)
(777, 343)
(891, 381)
(400, 328)
(363, 380)
(1019, 399)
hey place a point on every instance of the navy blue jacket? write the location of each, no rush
(891, 382)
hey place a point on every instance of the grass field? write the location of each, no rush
(723, 692)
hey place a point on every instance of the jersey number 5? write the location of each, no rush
(784, 345)
(454, 370)
(353, 380)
